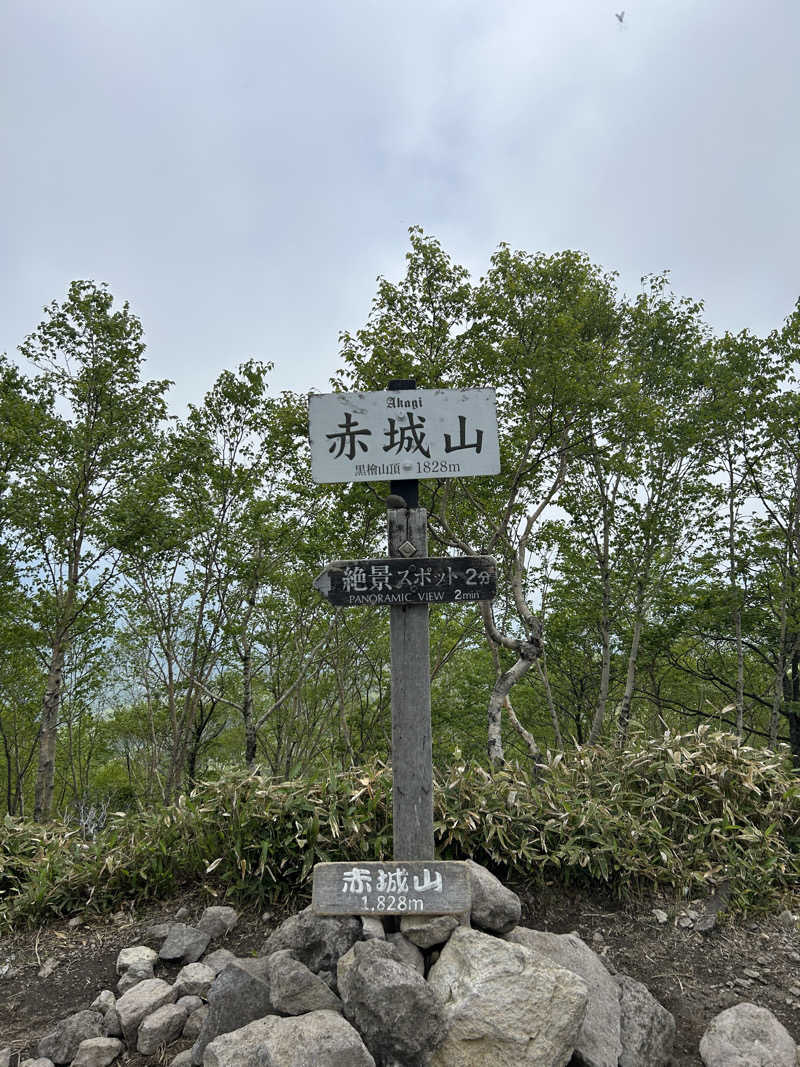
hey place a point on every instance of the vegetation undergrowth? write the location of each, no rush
(677, 814)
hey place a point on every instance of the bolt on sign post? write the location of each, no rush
(401, 435)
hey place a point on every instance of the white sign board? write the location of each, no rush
(412, 433)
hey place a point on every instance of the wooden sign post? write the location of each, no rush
(402, 433)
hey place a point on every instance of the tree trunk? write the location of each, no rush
(605, 669)
(499, 695)
(46, 773)
(541, 665)
(247, 707)
(630, 681)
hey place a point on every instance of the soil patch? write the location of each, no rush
(51, 972)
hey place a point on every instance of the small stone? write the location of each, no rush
(190, 1003)
(160, 1028)
(136, 956)
(217, 961)
(183, 1059)
(111, 1025)
(373, 927)
(685, 922)
(47, 968)
(788, 921)
(194, 1023)
(182, 913)
(75, 922)
(660, 916)
(142, 1000)
(5, 1057)
(218, 921)
(186, 943)
(61, 1044)
(103, 1001)
(42, 1061)
(97, 1052)
(194, 980)
(131, 977)
(427, 931)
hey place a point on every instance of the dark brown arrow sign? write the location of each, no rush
(458, 579)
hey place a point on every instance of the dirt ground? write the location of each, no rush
(51, 972)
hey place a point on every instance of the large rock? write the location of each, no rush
(160, 1028)
(294, 989)
(240, 993)
(494, 907)
(218, 921)
(599, 1043)
(97, 1052)
(505, 1005)
(647, 1029)
(184, 943)
(395, 1010)
(747, 1036)
(61, 1044)
(318, 1039)
(316, 940)
(142, 1000)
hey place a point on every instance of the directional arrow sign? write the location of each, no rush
(349, 583)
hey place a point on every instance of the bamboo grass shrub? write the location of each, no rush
(676, 814)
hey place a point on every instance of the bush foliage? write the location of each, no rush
(678, 814)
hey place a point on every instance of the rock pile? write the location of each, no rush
(437, 992)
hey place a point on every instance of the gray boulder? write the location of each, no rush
(183, 1059)
(184, 943)
(135, 973)
(194, 1024)
(504, 1004)
(111, 1025)
(494, 907)
(160, 1028)
(295, 990)
(136, 956)
(97, 1052)
(372, 927)
(218, 960)
(194, 980)
(142, 1000)
(428, 931)
(316, 940)
(599, 1043)
(61, 1044)
(218, 921)
(747, 1036)
(397, 1013)
(240, 993)
(407, 951)
(104, 1000)
(318, 1039)
(647, 1029)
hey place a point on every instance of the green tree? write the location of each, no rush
(67, 502)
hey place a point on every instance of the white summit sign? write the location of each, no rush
(411, 434)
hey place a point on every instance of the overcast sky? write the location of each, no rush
(242, 172)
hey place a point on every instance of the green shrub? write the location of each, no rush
(678, 814)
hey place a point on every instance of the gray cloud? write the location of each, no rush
(241, 175)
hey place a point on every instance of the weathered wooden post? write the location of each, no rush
(404, 434)
(412, 744)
